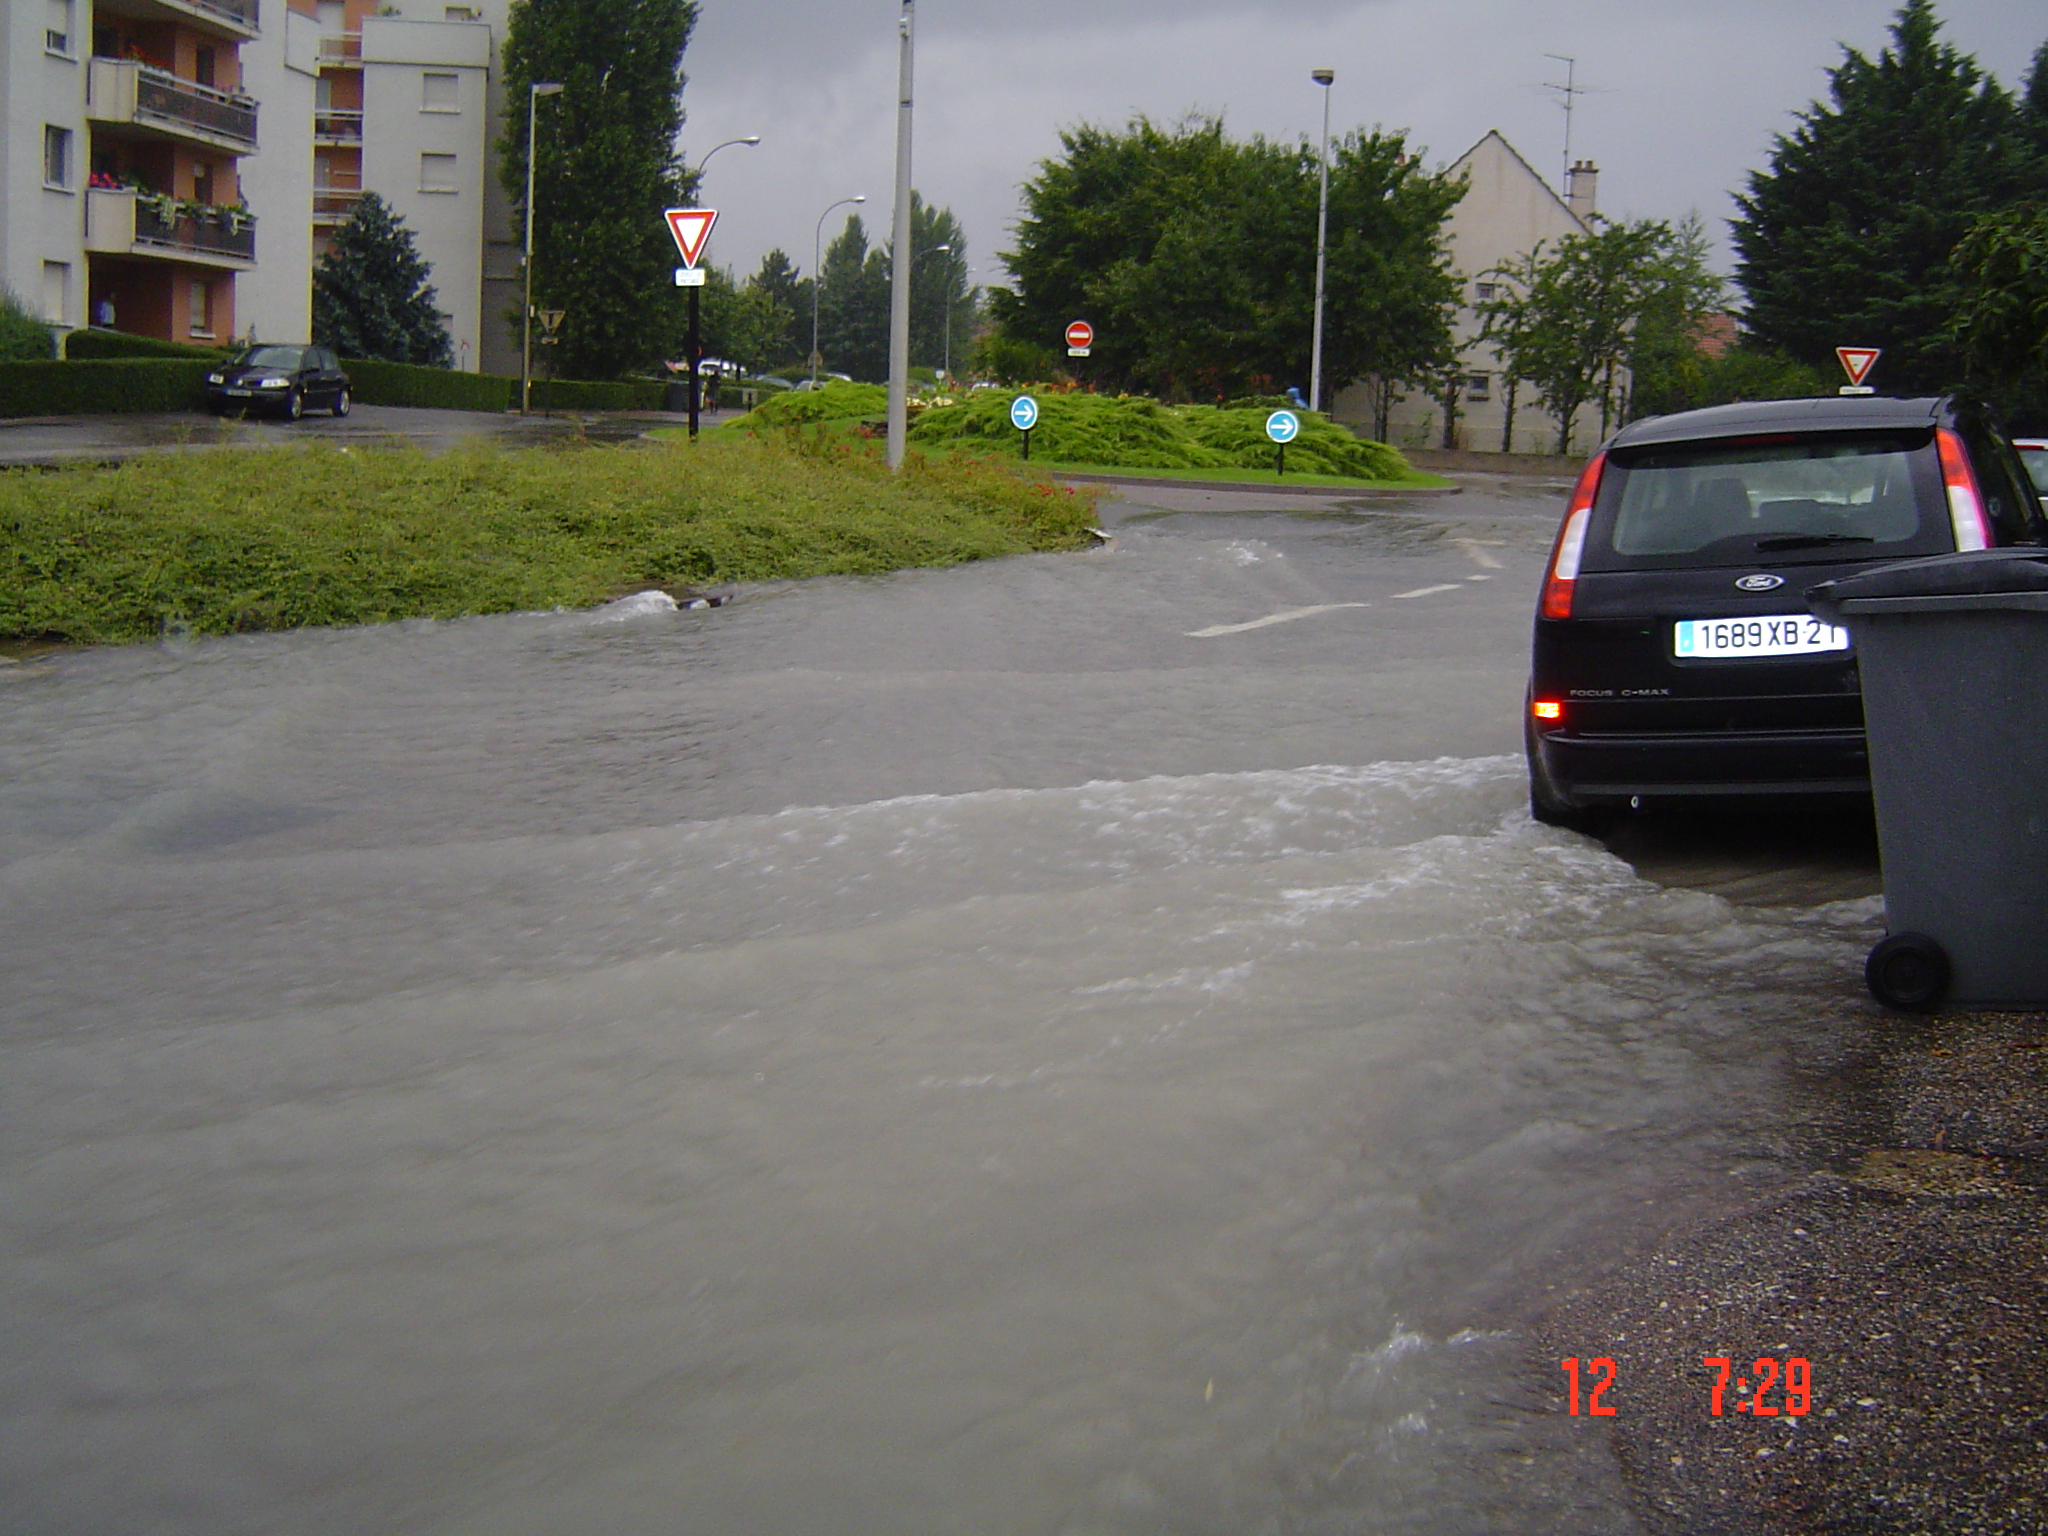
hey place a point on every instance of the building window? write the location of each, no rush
(57, 31)
(437, 173)
(56, 156)
(1484, 292)
(201, 301)
(203, 66)
(57, 292)
(1479, 387)
(440, 92)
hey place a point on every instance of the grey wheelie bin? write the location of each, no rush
(1953, 652)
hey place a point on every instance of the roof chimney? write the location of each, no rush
(1581, 186)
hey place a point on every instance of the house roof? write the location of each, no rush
(1516, 155)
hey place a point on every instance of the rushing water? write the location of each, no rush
(953, 1053)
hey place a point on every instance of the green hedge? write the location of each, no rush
(102, 386)
(445, 389)
(83, 345)
(110, 384)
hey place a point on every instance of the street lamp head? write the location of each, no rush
(546, 88)
(1324, 76)
(752, 138)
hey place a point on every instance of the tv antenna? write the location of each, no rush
(1569, 91)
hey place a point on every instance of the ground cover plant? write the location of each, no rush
(226, 540)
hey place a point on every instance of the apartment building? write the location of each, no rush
(404, 106)
(175, 167)
(123, 125)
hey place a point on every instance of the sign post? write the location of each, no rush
(691, 230)
(1283, 427)
(1080, 337)
(1857, 363)
(1024, 416)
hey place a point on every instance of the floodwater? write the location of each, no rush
(1022, 1049)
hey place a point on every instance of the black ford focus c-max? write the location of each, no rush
(1674, 655)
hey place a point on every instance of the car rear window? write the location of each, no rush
(1782, 498)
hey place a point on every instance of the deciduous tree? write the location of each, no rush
(606, 166)
(371, 298)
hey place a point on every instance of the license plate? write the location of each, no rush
(239, 392)
(1776, 634)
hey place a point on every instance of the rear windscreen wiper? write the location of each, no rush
(1811, 540)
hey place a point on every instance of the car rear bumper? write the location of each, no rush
(1584, 768)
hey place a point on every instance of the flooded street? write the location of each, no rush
(1077, 1045)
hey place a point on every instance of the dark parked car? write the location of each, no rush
(286, 379)
(1674, 654)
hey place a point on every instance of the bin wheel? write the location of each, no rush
(1909, 972)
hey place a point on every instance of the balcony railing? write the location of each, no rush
(243, 13)
(119, 221)
(345, 127)
(162, 95)
(127, 91)
(340, 46)
(335, 205)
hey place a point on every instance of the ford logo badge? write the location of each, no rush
(1760, 583)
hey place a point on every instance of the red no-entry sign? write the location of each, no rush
(1080, 337)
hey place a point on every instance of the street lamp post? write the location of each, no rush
(939, 250)
(899, 284)
(1324, 78)
(534, 91)
(693, 345)
(969, 272)
(818, 276)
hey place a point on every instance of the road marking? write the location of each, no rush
(1431, 591)
(1286, 617)
(1480, 554)
(1479, 578)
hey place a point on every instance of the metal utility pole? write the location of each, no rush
(1325, 78)
(902, 257)
(534, 91)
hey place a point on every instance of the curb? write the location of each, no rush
(1251, 487)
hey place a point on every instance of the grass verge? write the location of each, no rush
(250, 539)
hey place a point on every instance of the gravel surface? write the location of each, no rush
(1912, 1275)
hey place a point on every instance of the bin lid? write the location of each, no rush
(1974, 573)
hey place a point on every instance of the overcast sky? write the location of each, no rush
(1682, 97)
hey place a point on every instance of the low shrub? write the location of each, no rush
(250, 539)
(23, 336)
(102, 386)
(1129, 431)
(1322, 448)
(595, 395)
(82, 346)
(832, 402)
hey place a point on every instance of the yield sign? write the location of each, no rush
(1858, 361)
(691, 228)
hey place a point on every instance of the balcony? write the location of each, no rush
(158, 104)
(125, 223)
(334, 205)
(236, 19)
(343, 50)
(332, 127)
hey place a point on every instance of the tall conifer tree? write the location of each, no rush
(1845, 239)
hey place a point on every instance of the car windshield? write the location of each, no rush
(1697, 502)
(272, 357)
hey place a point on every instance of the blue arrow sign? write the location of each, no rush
(1283, 427)
(1023, 413)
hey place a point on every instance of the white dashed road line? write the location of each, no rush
(1480, 554)
(1288, 616)
(1430, 591)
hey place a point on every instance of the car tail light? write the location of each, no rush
(1547, 712)
(1571, 543)
(1965, 505)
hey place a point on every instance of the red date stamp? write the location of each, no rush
(1771, 1386)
